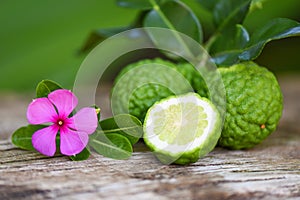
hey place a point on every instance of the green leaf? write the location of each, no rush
(233, 38)
(139, 19)
(176, 16)
(124, 124)
(22, 137)
(208, 4)
(100, 35)
(275, 29)
(97, 36)
(83, 155)
(230, 12)
(45, 87)
(226, 58)
(112, 145)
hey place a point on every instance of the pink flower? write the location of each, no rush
(73, 130)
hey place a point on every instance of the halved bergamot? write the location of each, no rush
(181, 129)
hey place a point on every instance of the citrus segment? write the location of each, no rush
(181, 129)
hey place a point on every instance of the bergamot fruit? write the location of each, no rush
(139, 85)
(254, 105)
(181, 129)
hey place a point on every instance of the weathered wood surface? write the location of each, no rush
(269, 171)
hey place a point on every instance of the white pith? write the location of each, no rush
(160, 145)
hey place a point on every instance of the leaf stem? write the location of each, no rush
(210, 41)
(117, 129)
(156, 7)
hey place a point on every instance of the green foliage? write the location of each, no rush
(112, 145)
(275, 29)
(229, 13)
(83, 155)
(27, 55)
(126, 125)
(45, 87)
(116, 135)
(100, 35)
(22, 136)
(230, 43)
(176, 16)
(97, 36)
(240, 38)
(208, 4)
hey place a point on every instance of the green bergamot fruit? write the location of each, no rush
(139, 85)
(254, 105)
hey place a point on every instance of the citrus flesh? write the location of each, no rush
(254, 105)
(181, 129)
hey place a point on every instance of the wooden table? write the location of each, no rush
(271, 170)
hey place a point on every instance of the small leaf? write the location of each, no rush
(22, 137)
(230, 12)
(112, 145)
(45, 87)
(233, 38)
(275, 29)
(176, 16)
(124, 124)
(83, 155)
(97, 36)
(100, 35)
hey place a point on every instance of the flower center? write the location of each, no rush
(60, 122)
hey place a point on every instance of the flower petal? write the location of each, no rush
(43, 140)
(41, 111)
(85, 120)
(72, 142)
(64, 100)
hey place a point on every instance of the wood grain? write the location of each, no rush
(271, 170)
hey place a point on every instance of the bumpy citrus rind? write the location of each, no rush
(145, 96)
(254, 105)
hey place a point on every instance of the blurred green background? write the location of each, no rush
(41, 39)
